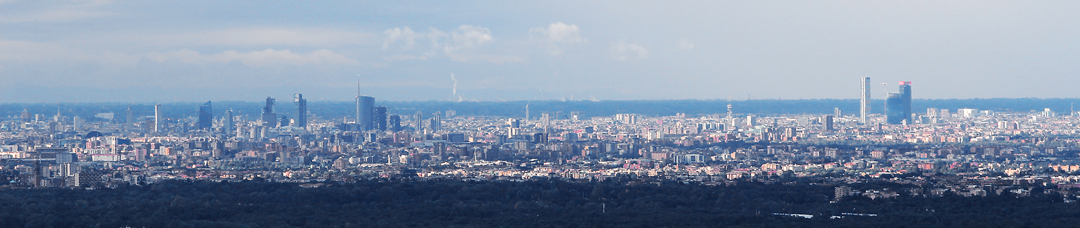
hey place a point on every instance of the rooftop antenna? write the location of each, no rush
(886, 89)
(358, 99)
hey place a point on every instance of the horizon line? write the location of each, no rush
(549, 100)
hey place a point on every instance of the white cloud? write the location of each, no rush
(468, 57)
(685, 45)
(468, 36)
(464, 44)
(403, 34)
(624, 50)
(266, 57)
(557, 36)
(403, 39)
(560, 33)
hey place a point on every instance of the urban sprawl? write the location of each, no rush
(966, 152)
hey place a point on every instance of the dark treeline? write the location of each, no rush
(516, 109)
(542, 203)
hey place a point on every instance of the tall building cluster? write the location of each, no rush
(897, 105)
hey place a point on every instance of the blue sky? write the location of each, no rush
(164, 51)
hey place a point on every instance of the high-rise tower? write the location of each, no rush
(301, 110)
(25, 116)
(228, 125)
(269, 119)
(864, 101)
(729, 120)
(905, 94)
(394, 122)
(829, 123)
(365, 112)
(419, 121)
(130, 116)
(364, 109)
(157, 118)
(894, 109)
(206, 116)
(436, 122)
(380, 118)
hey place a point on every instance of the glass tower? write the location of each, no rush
(395, 123)
(894, 109)
(380, 118)
(206, 116)
(905, 94)
(301, 110)
(365, 109)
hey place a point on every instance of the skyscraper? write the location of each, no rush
(365, 106)
(269, 119)
(730, 120)
(395, 122)
(227, 129)
(206, 116)
(829, 123)
(25, 116)
(157, 118)
(419, 121)
(301, 110)
(894, 109)
(905, 94)
(380, 118)
(130, 116)
(436, 122)
(864, 102)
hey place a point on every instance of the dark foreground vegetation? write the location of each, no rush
(547, 203)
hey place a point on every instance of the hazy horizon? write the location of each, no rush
(121, 51)
(377, 100)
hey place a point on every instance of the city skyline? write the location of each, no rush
(471, 113)
(105, 51)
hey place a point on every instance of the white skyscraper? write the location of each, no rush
(157, 118)
(864, 102)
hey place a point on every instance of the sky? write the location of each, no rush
(184, 51)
